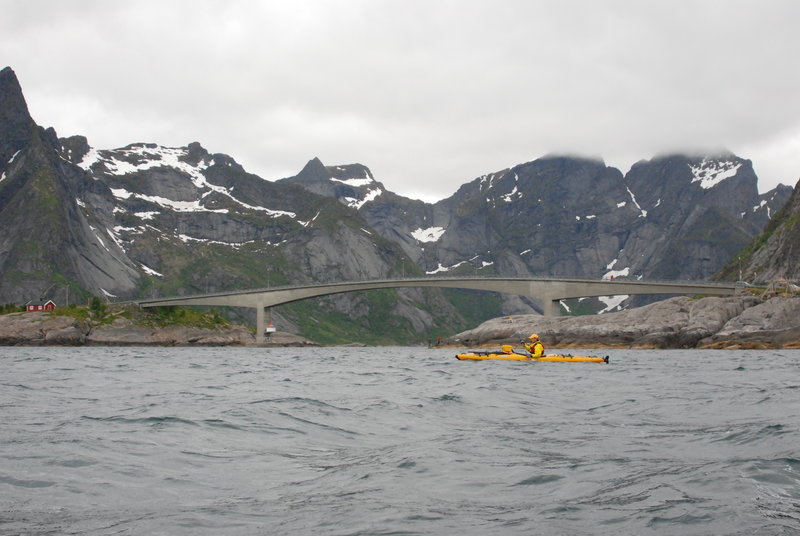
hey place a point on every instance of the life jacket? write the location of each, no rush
(536, 349)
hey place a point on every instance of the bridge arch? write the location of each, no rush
(549, 290)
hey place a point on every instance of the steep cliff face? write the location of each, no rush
(554, 216)
(775, 253)
(49, 241)
(18, 128)
(700, 212)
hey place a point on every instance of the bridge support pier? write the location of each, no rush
(260, 325)
(552, 307)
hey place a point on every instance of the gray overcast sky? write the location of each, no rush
(429, 94)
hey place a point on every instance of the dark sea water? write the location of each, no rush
(346, 441)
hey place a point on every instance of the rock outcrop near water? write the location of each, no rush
(45, 329)
(682, 322)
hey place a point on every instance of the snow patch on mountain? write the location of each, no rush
(513, 194)
(355, 183)
(89, 159)
(148, 157)
(710, 172)
(97, 236)
(431, 234)
(612, 303)
(643, 213)
(759, 206)
(471, 262)
(355, 203)
(115, 237)
(177, 206)
(130, 230)
(107, 294)
(186, 239)
(611, 274)
(487, 181)
(309, 222)
(150, 271)
(146, 215)
(440, 269)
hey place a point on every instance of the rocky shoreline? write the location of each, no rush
(46, 329)
(744, 322)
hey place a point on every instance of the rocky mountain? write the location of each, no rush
(146, 220)
(47, 238)
(774, 253)
(675, 217)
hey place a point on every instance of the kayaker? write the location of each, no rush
(535, 346)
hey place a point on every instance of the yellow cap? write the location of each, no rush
(533, 336)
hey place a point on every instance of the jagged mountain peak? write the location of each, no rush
(18, 126)
(314, 171)
(12, 101)
(352, 184)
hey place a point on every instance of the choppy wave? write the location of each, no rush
(357, 441)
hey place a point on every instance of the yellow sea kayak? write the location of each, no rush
(480, 356)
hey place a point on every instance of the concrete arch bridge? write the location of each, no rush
(548, 290)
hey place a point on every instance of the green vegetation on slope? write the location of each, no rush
(783, 219)
(98, 312)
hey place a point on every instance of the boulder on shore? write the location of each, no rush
(41, 328)
(681, 322)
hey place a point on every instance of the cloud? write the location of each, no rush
(427, 94)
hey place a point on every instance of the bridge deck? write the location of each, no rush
(549, 290)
